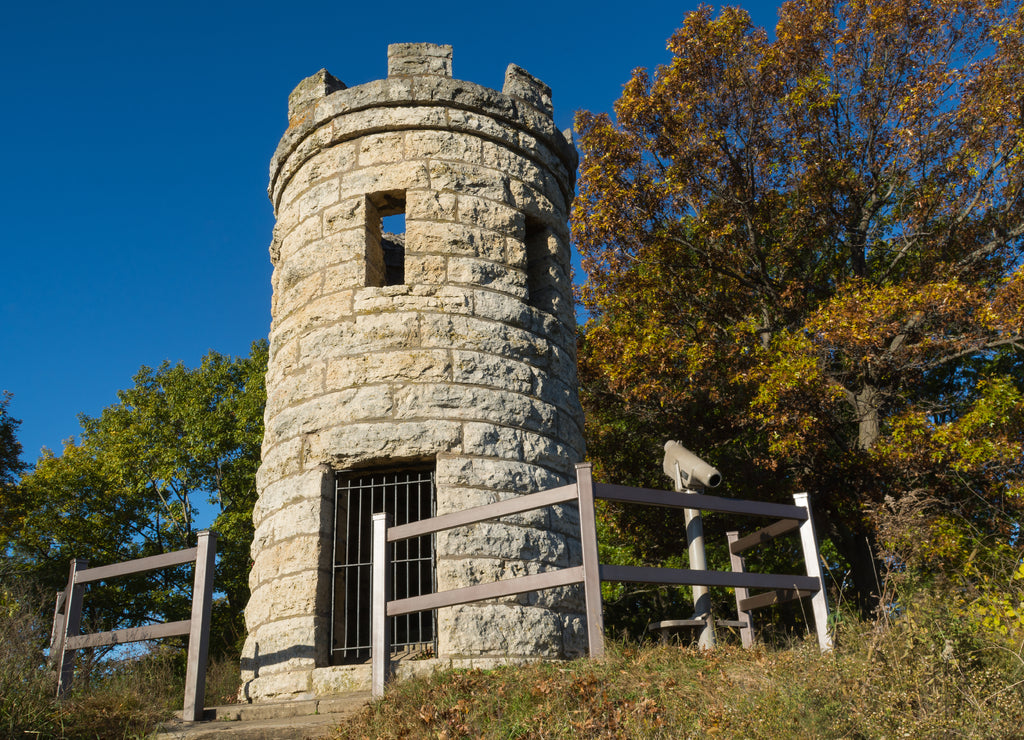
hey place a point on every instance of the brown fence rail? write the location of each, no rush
(65, 638)
(795, 517)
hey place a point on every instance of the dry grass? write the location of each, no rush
(23, 685)
(113, 700)
(944, 658)
(879, 682)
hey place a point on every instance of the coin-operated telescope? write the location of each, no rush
(689, 472)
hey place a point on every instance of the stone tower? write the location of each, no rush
(424, 372)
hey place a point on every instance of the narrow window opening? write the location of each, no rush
(541, 270)
(408, 495)
(385, 239)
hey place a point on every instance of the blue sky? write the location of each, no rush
(138, 137)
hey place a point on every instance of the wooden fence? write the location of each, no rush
(591, 572)
(65, 638)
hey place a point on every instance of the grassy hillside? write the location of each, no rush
(879, 683)
(920, 673)
(944, 657)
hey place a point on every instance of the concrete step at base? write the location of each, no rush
(301, 720)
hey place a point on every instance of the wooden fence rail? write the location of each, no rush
(65, 638)
(795, 517)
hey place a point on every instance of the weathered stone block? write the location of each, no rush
(381, 148)
(478, 368)
(304, 486)
(503, 630)
(308, 381)
(444, 145)
(483, 125)
(498, 540)
(324, 310)
(456, 498)
(533, 202)
(439, 298)
(521, 84)
(304, 233)
(296, 686)
(385, 177)
(488, 439)
(344, 277)
(495, 475)
(288, 557)
(419, 59)
(465, 332)
(349, 213)
(298, 295)
(461, 402)
(365, 402)
(474, 571)
(362, 444)
(493, 275)
(309, 91)
(324, 166)
(340, 679)
(574, 636)
(281, 645)
(279, 460)
(457, 239)
(398, 365)
(429, 205)
(508, 308)
(304, 517)
(430, 269)
(318, 197)
(458, 177)
(366, 333)
(294, 595)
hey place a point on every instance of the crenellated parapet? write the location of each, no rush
(419, 92)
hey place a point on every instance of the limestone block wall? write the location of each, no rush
(468, 364)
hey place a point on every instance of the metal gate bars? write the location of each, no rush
(408, 496)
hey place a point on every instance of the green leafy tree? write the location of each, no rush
(131, 485)
(11, 465)
(804, 261)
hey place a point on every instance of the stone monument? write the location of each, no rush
(423, 371)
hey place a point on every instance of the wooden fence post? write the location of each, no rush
(57, 631)
(65, 636)
(380, 625)
(739, 566)
(819, 602)
(199, 629)
(591, 563)
(71, 627)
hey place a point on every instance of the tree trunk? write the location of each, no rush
(857, 548)
(866, 406)
(856, 544)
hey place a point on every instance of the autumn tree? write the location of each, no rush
(133, 483)
(803, 259)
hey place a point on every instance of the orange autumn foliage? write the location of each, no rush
(804, 259)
